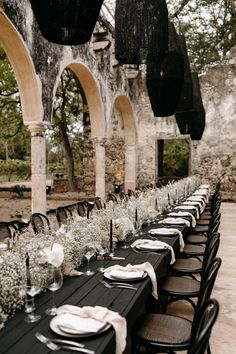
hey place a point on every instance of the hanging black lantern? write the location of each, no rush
(193, 121)
(68, 22)
(141, 30)
(165, 78)
(186, 97)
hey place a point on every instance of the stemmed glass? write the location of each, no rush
(88, 255)
(101, 251)
(32, 289)
(55, 281)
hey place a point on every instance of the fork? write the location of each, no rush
(49, 343)
(109, 286)
(42, 338)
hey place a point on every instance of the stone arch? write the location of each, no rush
(27, 80)
(93, 97)
(123, 104)
(97, 120)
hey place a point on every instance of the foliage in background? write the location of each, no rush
(67, 122)
(14, 136)
(175, 158)
(15, 170)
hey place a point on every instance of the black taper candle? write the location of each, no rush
(28, 280)
(110, 235)
(136, 214)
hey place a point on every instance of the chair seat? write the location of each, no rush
(194, 250)
(196, 239)
(162, 329)
(180, 286)
(205, 216)
(201, 229)
(203, 222)
(187, 265)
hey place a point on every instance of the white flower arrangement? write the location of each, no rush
(77, 236)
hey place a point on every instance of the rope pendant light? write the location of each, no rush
(186, 97)
(164, 78)
(141, 30)
(67, 22)
(193, 121)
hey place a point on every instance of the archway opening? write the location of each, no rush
(173, 159)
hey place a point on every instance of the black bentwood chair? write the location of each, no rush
(163, 333)
(173, 288)
(7, 232)
(81, 209)
(40, 223)
(63, 215)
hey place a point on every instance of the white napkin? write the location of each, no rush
(146, 267)
(174, 221)
(189, 207)
(54, 255)
(185, 213)
(195, 198)
(169, 231)
(120, 274)
(104, 315)
(155, 245)
(195, 203)
(77, 324)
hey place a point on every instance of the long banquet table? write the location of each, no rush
(19, 336)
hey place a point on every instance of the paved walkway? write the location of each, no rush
(223, 339)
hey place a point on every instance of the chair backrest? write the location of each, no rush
(40, 223)
(63, 215)
(123, 196)
(89, 205)
(207, 316)
(81, 209)
(208, 280)
(130, 193)
(112, 197)
(98, 203)
(211, 250)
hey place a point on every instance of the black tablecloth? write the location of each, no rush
(18, 336)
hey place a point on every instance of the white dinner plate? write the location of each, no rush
(108, 276)
(55, 327)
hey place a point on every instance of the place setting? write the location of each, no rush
(153, 247)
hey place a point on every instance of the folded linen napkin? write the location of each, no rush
(54, 255)
(196, 199)
(201, 207)
(185, 213)
(120, 274)
(188, 207)
(154, 245)
(146, 267)
(77, 324)
(174, 221)
(104, 315)
(169, 231)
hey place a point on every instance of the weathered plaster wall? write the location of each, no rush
(214, 156)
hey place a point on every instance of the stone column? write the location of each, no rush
(38, 168)
(130, 167)
(99, 147)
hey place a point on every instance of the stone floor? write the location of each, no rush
(223, 339)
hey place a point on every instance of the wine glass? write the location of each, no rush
(101, 251)
(32, 289)
(55, 281)
(88, 255)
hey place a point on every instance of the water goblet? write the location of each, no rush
(88, 255)
(101, 251)
(31, 290)
(55, 281)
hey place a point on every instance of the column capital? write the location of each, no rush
(37, 128)
(99, 140)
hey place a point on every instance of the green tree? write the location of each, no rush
(14, 136)
(67, 123)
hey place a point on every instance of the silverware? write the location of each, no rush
(109, 286)
(42, 338)
(119, 283)
(49, 343)
(149, 252)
